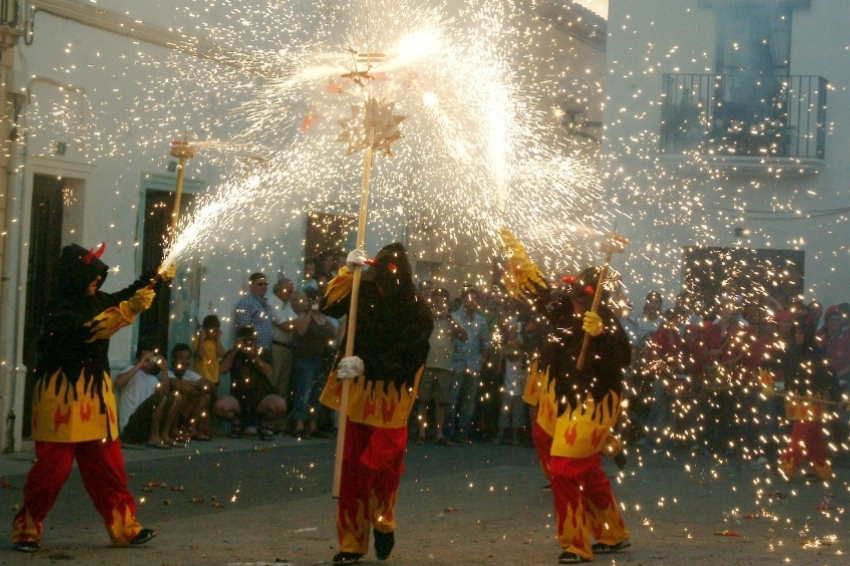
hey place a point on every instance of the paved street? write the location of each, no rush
(479, 504)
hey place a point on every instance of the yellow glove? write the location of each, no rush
(592, 324)
(168, 273)
(766, 378)
(141, 301)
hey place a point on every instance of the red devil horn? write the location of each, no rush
(94, 254)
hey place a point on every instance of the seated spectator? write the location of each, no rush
(312, 357)
(252, 400)
(147, 406)
(195, 394)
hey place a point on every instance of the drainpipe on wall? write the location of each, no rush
(11, 184)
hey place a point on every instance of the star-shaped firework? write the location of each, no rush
(374, 117)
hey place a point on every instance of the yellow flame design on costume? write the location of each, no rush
(582, 429)
(124, 526)
(522, 279)
(353, 531)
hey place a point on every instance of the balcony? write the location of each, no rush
(750, 123)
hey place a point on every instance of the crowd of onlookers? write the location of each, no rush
(696, 379)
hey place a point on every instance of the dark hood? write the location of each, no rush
(582, 287)
(75, 274)
(390, 269)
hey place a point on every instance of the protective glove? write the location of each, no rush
(350, 367)
(168, 273)
(766, 377)
(592, 324)
(141, 301)
(356, 257)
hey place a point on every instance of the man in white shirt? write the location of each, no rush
(147, 406)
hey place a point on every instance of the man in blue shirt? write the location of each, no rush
(467, 360)
(253, 310)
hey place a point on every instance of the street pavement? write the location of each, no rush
(241, 502)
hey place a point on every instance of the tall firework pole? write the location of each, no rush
(371, 126)
(181, 150)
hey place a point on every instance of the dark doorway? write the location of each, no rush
(329, 233)
(45, 245)
(764, 279)
(159, 205)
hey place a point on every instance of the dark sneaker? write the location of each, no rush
(602, 548)
(546, 488)
(570, 558)
(384, 543)
(144, 536)
(347, 558)
(25, 546)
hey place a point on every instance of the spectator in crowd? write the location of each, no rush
(309, 281)
(325, 269)
(313, 355)
(809, 380)
(253, 310)
(252, 401)
(437, 379)
(195, 394)
(147, 406)
(209, 351)
(513, 372)
(651, 318)
(666, 361)
(426, 289)
(283, 335)
(467, 361)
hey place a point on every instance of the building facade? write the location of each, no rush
(726, 135)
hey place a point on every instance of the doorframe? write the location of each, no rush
(164, 183)
(35, 165)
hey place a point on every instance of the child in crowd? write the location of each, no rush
(514, 374)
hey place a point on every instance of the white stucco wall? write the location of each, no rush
(663, 210)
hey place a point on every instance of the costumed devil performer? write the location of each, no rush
(577, 408)
(390, 349)
(74, 413)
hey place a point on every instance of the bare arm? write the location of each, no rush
(125, 377)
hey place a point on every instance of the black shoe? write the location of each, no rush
(144, 536)
(347, 558)
(546, 488)
(384, 543)
(602, 548)
(620, 459)
(25, 546)
(570, 558)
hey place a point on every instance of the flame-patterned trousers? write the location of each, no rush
(585, 507)
(808, 444)
(372, 464)
(102, 469)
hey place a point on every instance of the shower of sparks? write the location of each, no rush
(477, 152)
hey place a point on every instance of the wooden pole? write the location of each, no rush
(597, 298)
(352, 309)
(181, 150)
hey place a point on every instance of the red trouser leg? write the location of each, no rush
(44, 482)
(543, 445)
(102, 469)
(372, 464)
(584, 505)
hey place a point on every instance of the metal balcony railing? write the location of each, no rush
(9, 12)
(744, 114)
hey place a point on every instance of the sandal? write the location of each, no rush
(159, 445)
(235, 429)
